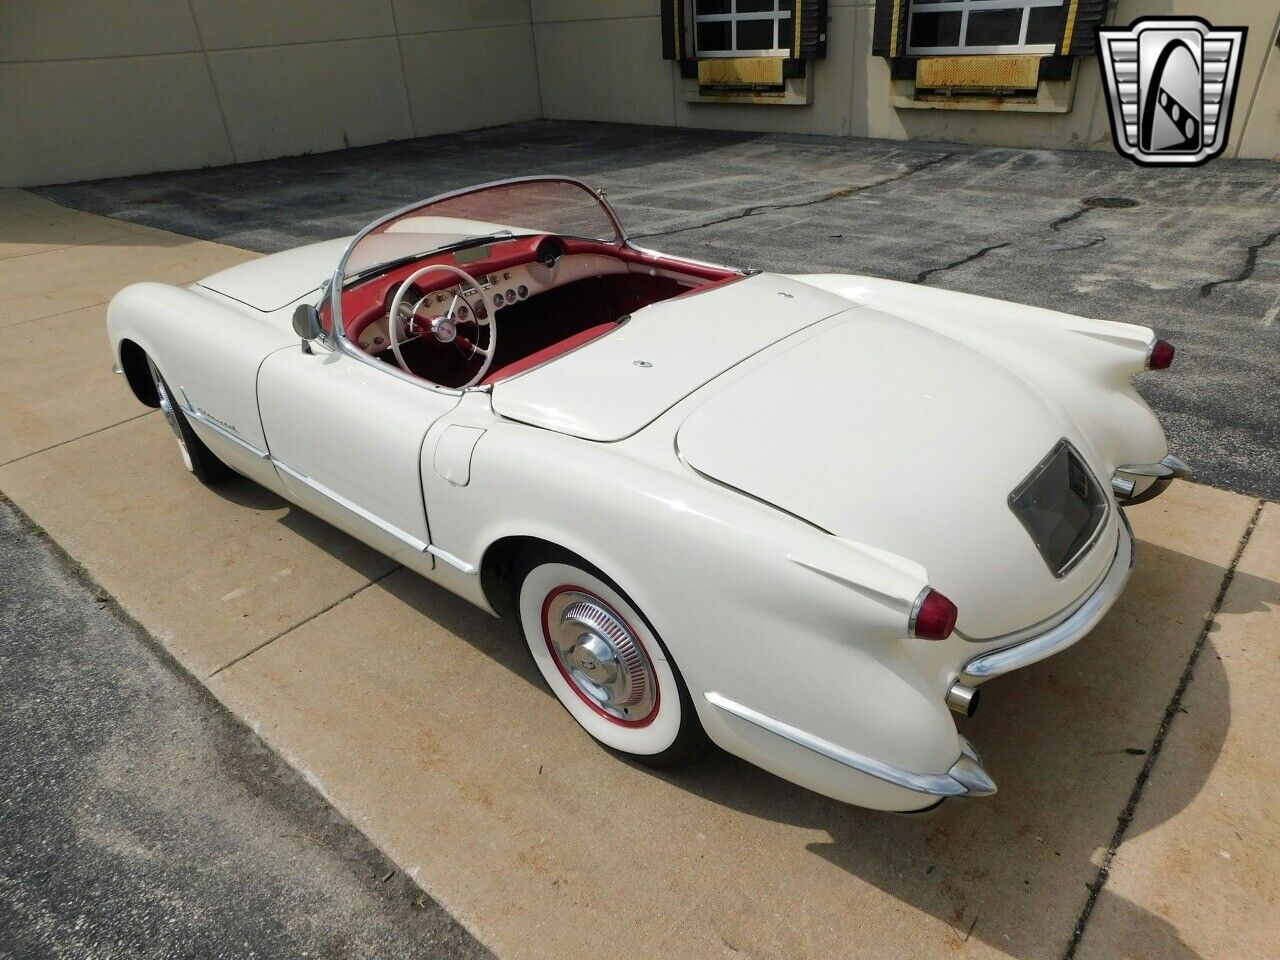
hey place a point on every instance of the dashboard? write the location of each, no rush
(498, 289)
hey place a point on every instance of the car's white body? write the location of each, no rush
(774, 490)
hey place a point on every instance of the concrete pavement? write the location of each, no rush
(423, 723)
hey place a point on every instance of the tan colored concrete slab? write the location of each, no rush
(56, 382)
(16, 204)
(212, 574)
(58, 281)
(423, 721)
(56, 228)
(1204, 848)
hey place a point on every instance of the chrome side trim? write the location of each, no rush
(965, 778)
(468, 568)
(194, 414)
(1070, 630)
(406, 538)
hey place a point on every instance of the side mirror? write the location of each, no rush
(306, 323)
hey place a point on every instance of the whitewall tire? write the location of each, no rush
(603, 661)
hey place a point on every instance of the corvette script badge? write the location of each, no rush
(1171, 85)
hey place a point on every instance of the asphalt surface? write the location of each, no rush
(1193, 253)
(138, 820)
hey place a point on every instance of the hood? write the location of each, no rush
(615, 385)
(277, 280)
(887, 433)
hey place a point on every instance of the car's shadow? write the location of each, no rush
(1065, 739)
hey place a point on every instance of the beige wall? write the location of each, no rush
(110, 87)
(851, 87)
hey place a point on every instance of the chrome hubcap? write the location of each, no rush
(600, 656)
(166, 407)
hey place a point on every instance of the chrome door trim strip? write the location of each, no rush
(444, 555)
(1070, 630)
(406, 538)
(193, 414)
(391, 529)
(966, 777)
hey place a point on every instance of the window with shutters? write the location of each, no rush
(945, 27)
(743, 28)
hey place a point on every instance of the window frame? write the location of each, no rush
(965, 7)
(782, 10)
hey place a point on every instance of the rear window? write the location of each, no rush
(1062, 507)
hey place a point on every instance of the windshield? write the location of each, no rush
(513, 208)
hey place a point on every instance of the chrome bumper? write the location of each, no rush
(1069, 631)
(966, 778)
(1125, 480)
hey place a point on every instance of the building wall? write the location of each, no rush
(110, 87)
(851, 87)
(99, 88)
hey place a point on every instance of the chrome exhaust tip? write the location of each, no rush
(963, 699)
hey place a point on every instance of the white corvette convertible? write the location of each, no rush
(801, 516)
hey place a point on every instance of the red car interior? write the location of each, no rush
(531, 331)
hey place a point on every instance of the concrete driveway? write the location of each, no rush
(1136, 814)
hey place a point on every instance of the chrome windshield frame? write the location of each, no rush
(337, 337)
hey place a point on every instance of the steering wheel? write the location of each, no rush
(445, 327)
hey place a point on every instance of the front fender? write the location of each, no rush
(208, 351)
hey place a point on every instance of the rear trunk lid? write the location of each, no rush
(887, 433)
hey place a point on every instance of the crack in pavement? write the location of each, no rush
(1162, 731)
(1250, 264)
(793, 204)
(925, 274)
(1061, 222)
(301, 623)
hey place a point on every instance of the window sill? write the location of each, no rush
(1050, 96)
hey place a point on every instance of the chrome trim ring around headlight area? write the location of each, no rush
(600, 656)
(966, 778)
(1070, 630)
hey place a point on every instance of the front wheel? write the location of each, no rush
(198, 458)
(604, 662)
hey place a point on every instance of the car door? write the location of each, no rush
(346, 437)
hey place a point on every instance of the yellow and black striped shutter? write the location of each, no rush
(889, 28)
(810, 38)
(1081, 36)
(675, 41)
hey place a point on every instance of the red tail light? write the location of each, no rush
(933, 617)
(1160, 356)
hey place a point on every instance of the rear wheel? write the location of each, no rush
(604, 662)
(199, 459)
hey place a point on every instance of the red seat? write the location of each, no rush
(549, 353)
